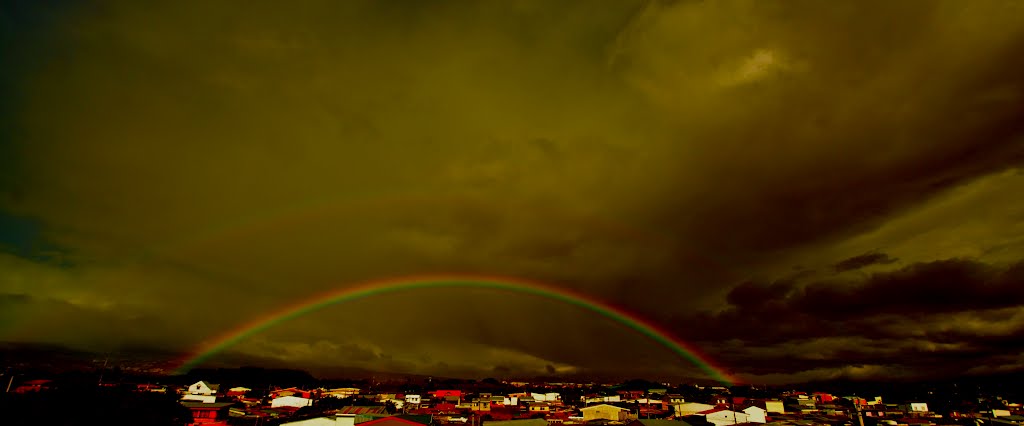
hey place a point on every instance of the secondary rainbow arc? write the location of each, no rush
(377, 287)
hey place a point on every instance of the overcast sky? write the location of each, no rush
(800, 189)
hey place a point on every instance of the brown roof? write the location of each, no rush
(363, 410)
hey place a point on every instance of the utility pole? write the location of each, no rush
(856, 408)
(104, 370)
(11, 380)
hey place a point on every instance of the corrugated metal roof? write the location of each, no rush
(360, 409)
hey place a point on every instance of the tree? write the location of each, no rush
(390, 407)
(332, 403)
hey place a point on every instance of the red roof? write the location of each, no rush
(390, 420)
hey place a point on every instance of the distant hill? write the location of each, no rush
(40, 358)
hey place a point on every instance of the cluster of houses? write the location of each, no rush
(211, 406)
(555, 404)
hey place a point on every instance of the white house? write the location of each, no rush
(723, 417)
(291, 401)
(919, 407)
(604, 411)
(545, 397)
(756, 414)
(338, 420)
(199, 398)
(599, 399)
(688, 408)
(412, 399)
(203, 388)
(511, 400)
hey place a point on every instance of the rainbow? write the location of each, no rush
(391, 285)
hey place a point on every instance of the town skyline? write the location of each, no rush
(289, 397)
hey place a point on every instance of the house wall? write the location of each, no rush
(291, 401)
(606, 412)
(209, 417)
(775, 407)
(823, 397)
(727, 417)
(200, 398)
(613, 398)
(756, 414)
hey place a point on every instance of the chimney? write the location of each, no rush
(345, 419)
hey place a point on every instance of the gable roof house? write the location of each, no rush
(238, 391)
(604, 412)
(290, 401)
(756, 414)
(339, 419)
(723, 417)
(292, 391)
(400, 420)
(203, 388)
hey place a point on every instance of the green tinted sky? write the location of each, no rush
(802, 189)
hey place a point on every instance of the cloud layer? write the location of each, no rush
(800, 189)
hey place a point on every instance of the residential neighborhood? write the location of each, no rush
(507, 403)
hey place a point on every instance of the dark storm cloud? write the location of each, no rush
(941, 286)
(925, 318)
(736, 169)
(44, 319)
(14, 299)
(844, 168)
(952, 285)
(861, 261)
